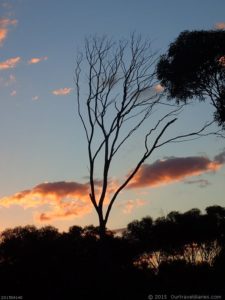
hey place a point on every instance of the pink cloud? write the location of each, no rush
(9, 81)
(10, 63)
(175, 169)
(130, 205)
(71, 199)
(3, 34)
(158, 88)
(62, 91)
(220, 25)
(13, 93)
(64, 200)
(36, 60)
(5, 23)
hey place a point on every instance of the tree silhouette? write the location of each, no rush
(116, 91)
(191, 236)
(46, 264)
(140, 231)
(194, 67)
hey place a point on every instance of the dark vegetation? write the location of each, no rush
(180, 253)
(194, 68)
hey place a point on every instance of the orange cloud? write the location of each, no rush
(175, 169)
(220, 25)
(10, 63)
(3, 34)
(36, 60)
(64, 200)
(62, 91)
(130, 205)
(158, 88)
(5, 23)
(67, 210)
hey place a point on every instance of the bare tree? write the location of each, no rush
(117, 92)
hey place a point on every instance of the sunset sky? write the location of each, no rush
(43, 157)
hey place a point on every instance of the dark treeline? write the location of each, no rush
(182, 253)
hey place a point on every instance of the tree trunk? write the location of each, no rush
(102, 226)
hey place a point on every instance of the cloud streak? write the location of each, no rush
(130, 205)
(36, 60)
(200, 182)
(9, 81)
(35, 98)
(13, 93)
(64, 200)
(5, 23)
(10, 63)
(62, 91)
(175, 169)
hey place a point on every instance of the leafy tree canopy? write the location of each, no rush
(194, 67)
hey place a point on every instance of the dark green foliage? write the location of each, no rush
(194, 67)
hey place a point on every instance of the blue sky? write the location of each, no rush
(41, 136)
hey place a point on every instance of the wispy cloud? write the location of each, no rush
(36, 60)
(220, 25)
(6, 5)
(130, 205)
(10, 63)
(220, 158)
(175, 169)
(62, 91)
(11, 79)
(64, 200)
(7, 81)
(200, 182)
(35, 98)
(13, 93)
(158, 88)
(3, 34)
(5, 23)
